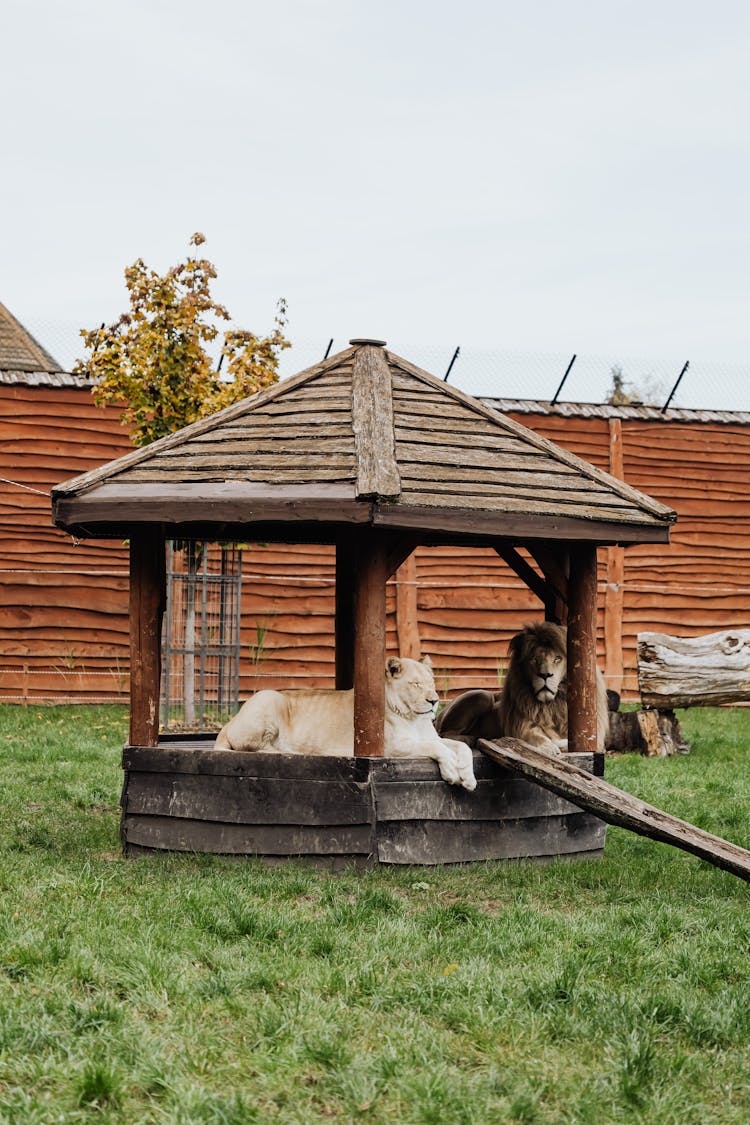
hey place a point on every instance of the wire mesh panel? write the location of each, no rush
(201, 639)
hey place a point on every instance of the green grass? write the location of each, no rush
(192, 989)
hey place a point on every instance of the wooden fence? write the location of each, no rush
(63, 606)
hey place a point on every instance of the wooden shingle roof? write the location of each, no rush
(19, 351)
(363, 437)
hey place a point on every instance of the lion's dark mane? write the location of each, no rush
(519, 707)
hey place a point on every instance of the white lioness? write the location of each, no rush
(322, 722)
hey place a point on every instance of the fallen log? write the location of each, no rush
(694, 671)
(614, 805)
(654, 733)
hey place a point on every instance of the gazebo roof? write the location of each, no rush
(363, 437)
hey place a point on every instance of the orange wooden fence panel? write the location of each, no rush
(63, 606)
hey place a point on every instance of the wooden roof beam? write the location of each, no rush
(538, 585)
(378, 477)
(547, 587)
(400, 548)
(554, 562)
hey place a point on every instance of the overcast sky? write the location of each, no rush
(541, 177)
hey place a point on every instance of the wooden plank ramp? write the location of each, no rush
(614, 805)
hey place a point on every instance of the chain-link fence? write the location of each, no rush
(495, 373)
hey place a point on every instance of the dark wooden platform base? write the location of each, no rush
(185, 796)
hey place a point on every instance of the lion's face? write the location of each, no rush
(545, 670)
(410, 687)
(541, 651)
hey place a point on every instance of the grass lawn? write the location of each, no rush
(196, 989)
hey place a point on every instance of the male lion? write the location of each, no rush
(322, 722)
(533, 705)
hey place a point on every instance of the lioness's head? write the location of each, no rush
(410, 687)
(540, 652)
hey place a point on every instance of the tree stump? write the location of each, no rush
(654, 733)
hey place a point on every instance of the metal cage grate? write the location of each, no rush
(201, 638)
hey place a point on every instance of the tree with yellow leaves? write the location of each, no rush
(153, 363)
(153, 360)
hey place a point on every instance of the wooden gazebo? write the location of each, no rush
(372, 454)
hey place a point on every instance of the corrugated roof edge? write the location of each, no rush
(504, 405)
(605, 410)
(44, 379)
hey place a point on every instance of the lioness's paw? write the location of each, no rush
(465, 760)
(468, 780)
(449, 771)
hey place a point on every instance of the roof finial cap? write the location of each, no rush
(361, 341)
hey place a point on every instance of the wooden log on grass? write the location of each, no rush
(654, 733)
(614, 805)
(694, 671)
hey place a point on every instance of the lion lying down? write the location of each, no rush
(322, 722)
(532, 705)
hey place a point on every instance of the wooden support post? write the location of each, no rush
(344, 621)
(369, 645)
(614, 668)
(614, 597)
(407, 610)
(582, 732)
(147, 602)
